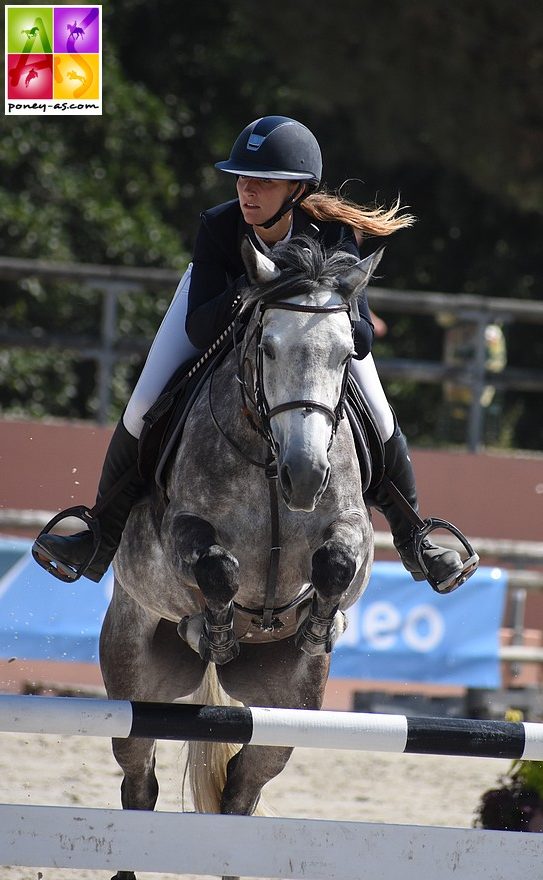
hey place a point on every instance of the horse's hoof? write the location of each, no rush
(190, 630)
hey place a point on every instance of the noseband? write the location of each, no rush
(264, 412)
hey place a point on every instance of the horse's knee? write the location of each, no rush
(217, 574)
(194, 543)
(333, 568)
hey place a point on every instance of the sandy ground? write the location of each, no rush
(373, 787)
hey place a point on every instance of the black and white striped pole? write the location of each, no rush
(357, 731)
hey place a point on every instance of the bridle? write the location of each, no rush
(259, 414)
(254, 398)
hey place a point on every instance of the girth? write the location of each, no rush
(284, 620)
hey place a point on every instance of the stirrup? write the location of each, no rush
(62, 570)
(469, 565)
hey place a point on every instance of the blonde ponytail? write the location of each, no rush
(369, 221)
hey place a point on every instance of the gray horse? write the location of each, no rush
(201, 604)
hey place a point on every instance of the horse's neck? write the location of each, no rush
(229, 409)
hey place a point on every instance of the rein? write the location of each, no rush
(270, 616)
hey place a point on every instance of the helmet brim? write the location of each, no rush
(266, 173)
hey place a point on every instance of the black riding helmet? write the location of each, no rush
(277, 148)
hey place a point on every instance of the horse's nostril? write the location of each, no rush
(324, 485)
(286, 482)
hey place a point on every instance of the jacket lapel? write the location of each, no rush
(302, 224)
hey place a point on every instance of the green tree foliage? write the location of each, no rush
(85, 189)
(440, 102)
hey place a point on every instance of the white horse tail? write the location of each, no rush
(207, 761)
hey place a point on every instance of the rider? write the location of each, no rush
(277, 163)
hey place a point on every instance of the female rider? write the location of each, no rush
(277, 162)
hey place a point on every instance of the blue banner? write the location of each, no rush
(401, 630)
(42, 618)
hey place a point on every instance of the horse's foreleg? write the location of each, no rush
(334, 565)
(217, 574)
(248, 771)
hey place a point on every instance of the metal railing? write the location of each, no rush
(109, 347)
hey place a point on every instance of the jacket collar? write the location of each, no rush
(302, 224)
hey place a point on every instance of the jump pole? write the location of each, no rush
(64, 837)
(271, 727)
(312, 849)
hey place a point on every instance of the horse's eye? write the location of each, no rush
(267, 351)
(346, 360)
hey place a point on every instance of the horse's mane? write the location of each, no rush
(305, 266)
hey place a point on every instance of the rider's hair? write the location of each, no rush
(379, 220)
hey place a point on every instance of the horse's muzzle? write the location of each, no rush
(303, 483)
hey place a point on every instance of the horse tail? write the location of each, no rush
(207, 762)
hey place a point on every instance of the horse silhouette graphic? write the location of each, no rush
(73, 75)
(75, 31)
(32, 75)
(38, 29)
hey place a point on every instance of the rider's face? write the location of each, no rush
(260, 198)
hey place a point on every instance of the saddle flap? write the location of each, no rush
(165, 421)
(159, 419)
(368, 442)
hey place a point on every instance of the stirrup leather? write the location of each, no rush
(62, 570)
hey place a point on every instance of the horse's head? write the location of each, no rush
(304, 302)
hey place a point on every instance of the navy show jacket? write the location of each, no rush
(217, 265)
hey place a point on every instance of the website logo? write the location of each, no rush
(53, 60)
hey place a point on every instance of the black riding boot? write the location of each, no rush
(444, 566)
(72, 550)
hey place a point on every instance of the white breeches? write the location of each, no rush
(365, 373)
(172, 347)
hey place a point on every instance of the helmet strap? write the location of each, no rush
(300, 193)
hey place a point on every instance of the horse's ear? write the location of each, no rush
(259, 267)
(355, 279)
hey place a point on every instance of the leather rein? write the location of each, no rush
(254, 401)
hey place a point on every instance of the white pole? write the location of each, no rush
(65, 716)
(190, 843)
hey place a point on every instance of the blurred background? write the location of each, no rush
(441, 103)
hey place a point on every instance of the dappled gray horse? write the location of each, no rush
(199, 597)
